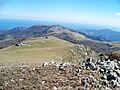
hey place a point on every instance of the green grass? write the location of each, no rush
(40, 50)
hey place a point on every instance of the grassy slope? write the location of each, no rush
(40, 50)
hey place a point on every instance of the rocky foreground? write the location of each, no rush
(90, 74)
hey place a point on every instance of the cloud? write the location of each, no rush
(117, 14)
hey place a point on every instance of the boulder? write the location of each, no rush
(110, 77)
(114, 56)
(83, 82)
(114, 83)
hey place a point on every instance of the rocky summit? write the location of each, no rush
(89, 74)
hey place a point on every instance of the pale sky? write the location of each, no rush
(105, 12)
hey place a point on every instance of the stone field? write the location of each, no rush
(89, 74)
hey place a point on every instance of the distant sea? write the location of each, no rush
(11, 23)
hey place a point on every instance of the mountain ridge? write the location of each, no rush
(12, 37)
(41, 30)
(104, 34)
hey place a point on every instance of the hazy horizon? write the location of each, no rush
(98, 12)
(12, 23)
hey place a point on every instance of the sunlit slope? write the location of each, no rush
(42, 49)
(36, 50)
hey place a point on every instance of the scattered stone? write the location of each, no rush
(88, 74)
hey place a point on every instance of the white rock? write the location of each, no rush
(54, 88)
(12, 80)
(45, 64)
(53, 62)
(43, 82)
(49, 49)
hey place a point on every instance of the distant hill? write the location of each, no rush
(43, 30)
(55, 30)
(103, 34)
(58, 31)
(18, 34)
